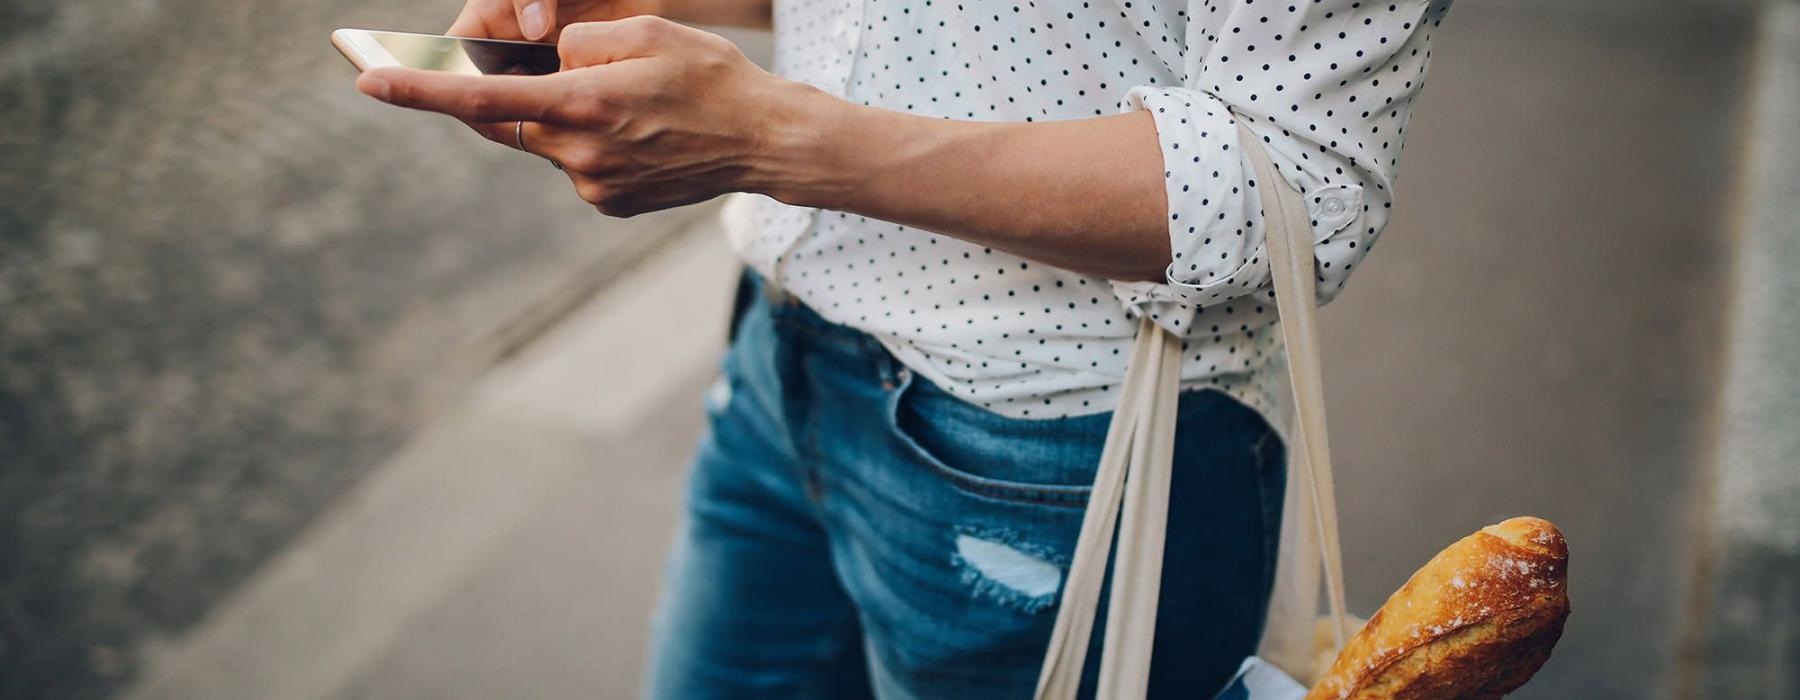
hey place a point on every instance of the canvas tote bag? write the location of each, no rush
(1131, 490)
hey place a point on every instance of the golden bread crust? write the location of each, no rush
(1475, 622)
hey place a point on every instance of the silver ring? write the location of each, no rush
(519, 138)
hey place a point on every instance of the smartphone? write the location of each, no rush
(373, 49)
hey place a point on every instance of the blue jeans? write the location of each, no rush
(853, 531)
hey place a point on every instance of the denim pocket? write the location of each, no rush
(985, 454)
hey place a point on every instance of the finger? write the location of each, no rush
(595, 43)
(469, 23)
(589, 189)
(536, 17)
(487, 19)
(539, 139)
(471, 98)
(625, 204)
(564, 147)
(574, 149)
(499, 132)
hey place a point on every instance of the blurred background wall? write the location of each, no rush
(305, 397)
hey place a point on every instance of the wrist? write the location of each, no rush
(803, 158)
(834, 154)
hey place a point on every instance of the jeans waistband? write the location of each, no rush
(792, 315)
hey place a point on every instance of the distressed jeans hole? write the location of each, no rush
(1018, 575)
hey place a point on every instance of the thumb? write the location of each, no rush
(537, 18)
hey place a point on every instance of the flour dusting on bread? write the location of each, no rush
(1475, 622)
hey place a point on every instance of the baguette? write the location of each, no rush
(1475, 622)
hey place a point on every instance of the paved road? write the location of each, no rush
(1538, 333)
(511, 549)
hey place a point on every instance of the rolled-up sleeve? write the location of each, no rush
(1328, 87)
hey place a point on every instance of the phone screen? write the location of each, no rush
(487, 56)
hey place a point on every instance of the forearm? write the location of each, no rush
(749, 14)
(1085, 195)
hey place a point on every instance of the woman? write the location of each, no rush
(963, 206)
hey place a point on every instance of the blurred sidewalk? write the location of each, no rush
(511, 549)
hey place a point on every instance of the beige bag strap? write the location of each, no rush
(1135, 468)
(1288, 235)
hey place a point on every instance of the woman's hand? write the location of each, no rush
(646, 114)
(542, 20)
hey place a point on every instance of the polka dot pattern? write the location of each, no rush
(1326, 85)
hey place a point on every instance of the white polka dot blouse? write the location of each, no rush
(1327, 85)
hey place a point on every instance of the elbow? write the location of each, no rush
(1154, 269)
(1149, 258)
